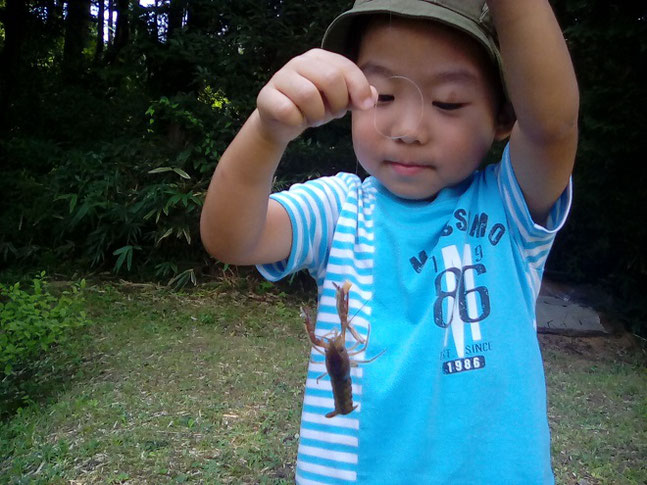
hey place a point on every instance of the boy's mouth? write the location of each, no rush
(405, 168)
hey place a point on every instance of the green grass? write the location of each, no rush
(200, 386)
(597, 392)
(205, 386)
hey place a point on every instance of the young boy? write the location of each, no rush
(445, 258)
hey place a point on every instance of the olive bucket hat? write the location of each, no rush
(469, 16)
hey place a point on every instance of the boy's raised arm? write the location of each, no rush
(239, 224)
(542, 87)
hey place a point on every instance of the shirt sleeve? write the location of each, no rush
(535, 240)
(313, 208)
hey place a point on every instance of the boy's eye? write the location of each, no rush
(448, 106)
(385, 98)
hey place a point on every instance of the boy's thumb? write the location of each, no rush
(374, 96)
(370, 102)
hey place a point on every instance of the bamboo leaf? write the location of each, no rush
(182, 173)
(161, 170)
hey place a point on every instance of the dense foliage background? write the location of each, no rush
(109, 131)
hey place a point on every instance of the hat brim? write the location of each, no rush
(336, 36)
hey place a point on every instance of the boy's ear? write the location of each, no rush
(505, 121)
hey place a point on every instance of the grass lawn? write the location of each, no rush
(205, 386)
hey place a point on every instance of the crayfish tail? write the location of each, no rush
(335, 412)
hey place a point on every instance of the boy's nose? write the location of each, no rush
(405, 123)
(412, 136)
(410, 129)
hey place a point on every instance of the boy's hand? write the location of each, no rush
(239, 223)
(311, 90)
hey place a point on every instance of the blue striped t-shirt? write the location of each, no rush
(448, 289)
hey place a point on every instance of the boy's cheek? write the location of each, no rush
(363, 129)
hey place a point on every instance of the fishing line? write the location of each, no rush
(399, 108)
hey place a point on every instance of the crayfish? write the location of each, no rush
(338, 362)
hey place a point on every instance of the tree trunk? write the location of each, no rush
(111, 13)
(197, 15)
(54, 15)
(156, 20)
(122, 30)
(14, 19)
(98, 52)
(76, 36)
(175, 17)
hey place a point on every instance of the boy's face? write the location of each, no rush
(425, 149)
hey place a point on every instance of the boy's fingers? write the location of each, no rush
(304, 94)
(359, 89)
(357, 86)
(312, 89)
(330, 82)
(276, 106)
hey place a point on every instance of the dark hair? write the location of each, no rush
(356, 32)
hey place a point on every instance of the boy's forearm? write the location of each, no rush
(539, 73)
(235, 208)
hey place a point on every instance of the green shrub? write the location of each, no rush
(33, 321)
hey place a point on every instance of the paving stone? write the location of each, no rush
(556, 315)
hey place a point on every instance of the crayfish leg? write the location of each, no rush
(342, 297)
(354, 333)
(353, 363)
(352, 347)
(319, 350)
(322, 375)
(359, 340)
(310, 328)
